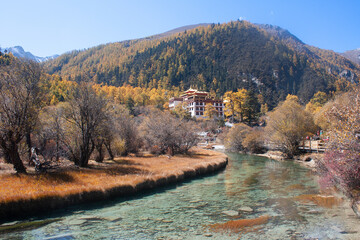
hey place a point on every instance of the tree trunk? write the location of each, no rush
(57, 149)
(85, 154)
(7, 157)
(100, 156)
(13, 155)
(28, 142)
(108, 147)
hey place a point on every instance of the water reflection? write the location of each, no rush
(254, 198)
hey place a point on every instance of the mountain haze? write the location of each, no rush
(353, 55)
(218, 57)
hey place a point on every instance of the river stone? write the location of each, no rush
(76, 222)
(113, 218)
(231, 213)
(246, 209)
(167, 221)
(262, 209)
(9, 223)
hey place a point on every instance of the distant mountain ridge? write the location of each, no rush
(214, 57)
(353, 55)
(19, 52)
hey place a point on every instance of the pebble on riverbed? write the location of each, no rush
(231, 213)
(245, 209)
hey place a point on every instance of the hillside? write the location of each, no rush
(353, 55)
(219, 57)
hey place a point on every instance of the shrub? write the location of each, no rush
(340, 168)
(235, 137)
(341, 164)
(119, 147)
(169, 134)
(288, 124)
(253, 141)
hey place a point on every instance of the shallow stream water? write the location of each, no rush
(250, 187)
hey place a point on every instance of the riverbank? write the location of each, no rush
(25, 195)
(308, 160)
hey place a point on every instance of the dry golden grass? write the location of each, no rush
(126, 171)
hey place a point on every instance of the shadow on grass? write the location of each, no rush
(56, 177)
(127, 162)
(198, 155)
(120, 170)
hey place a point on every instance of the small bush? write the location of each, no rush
(119, 147)
(235, 138)
(156, 150)
(341, 169)
(253, 141)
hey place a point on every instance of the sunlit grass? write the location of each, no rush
(125, 171)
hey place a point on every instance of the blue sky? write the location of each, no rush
(47, 27)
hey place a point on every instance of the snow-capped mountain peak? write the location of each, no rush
(19, 52)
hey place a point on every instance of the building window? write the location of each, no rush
(201, 113)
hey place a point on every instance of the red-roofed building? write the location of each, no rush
(195, 102)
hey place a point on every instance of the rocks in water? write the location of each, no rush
(167, 221)
(26, 225)
(91, 218)
(314, 211)
(295, 187)
(261, 209)
(319, 200)
(76, 222)
(245, 209)
(231, 213)
(113, 218)
(61, 237)
(240, 224)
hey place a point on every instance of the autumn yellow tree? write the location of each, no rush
(229, 100)
(317, 102)
(288, 124)
(234, 104)
(240, 98)
(210, 111)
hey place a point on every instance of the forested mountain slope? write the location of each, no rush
(219, 57)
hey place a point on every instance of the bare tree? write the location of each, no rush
(50, 129)
(19, 100)
(165, 133)
(84, 115)
(120, 126)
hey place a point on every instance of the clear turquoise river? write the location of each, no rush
(250, 187)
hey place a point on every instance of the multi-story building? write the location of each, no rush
(195, 101)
